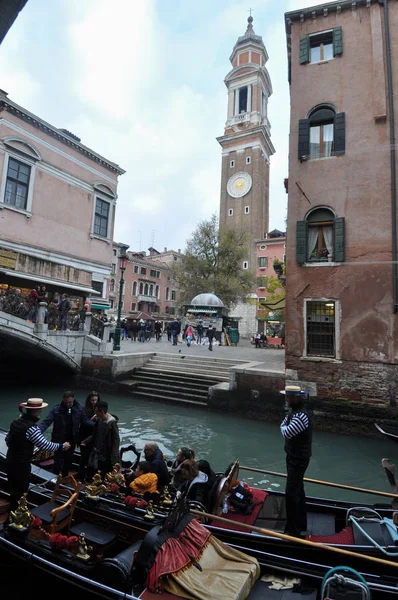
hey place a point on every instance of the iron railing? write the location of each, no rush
(15, 304)
(97, 328)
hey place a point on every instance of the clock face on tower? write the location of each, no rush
(239, 185)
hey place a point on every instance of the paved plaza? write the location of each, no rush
(272, 359)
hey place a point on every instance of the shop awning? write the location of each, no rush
(279, 305)
(46, 281)
(100, 306)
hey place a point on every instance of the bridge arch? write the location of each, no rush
(20, 344)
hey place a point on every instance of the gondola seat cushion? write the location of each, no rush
(43, 512)
(96, 536)
(116, 571)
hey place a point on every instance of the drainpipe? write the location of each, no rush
(392, 159)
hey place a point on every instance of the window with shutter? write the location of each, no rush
(337, 41)
(339, 134)
(339, 239)
(304, 49)
(304, 139)
(321, 238)
(301, 242)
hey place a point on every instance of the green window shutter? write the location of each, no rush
(304, 49)
(301, 242)
(339, 239)
(303, 138)
(339, 133)
(337, 41)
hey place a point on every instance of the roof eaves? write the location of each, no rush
(32, 119)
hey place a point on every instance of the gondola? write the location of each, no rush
(389, 431)
(113, 562)
(366, 531)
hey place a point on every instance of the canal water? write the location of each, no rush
(221, 438)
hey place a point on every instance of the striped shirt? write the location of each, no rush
(35, 436)
(293, 425)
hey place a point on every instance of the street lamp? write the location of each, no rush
(122, 267)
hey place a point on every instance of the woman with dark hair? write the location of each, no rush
(85, 432)
(183, 453)
(205, 467)
(195, 484)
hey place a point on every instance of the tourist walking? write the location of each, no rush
(168, 332)
(141, 331)
(132, 329)
(210, 336)
(104, 442)
(296, 429)
(85, 431)
(66, 419)
(189, 335)
(112, 329)
(63, 310)
(199, 332)
(175, 328)
(33, 302)
(158, 330)
(23, 436)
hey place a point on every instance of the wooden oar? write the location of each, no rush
(290, 538)
(320, 482)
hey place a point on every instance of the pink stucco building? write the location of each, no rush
(57, 207)
(268, 250)
(342, 280)
(149, 286)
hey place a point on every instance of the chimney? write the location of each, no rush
(179, 251)
(165, 250)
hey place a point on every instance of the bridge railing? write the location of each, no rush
(15, 304)
(73, 320)
(97, 328)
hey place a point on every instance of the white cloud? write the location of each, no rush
(115, 54)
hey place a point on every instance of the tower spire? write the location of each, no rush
(250, 30)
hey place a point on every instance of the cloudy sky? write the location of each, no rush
(142, 83)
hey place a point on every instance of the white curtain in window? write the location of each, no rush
(312, 239)
(328, 139)
(328, 237)
(315, 142)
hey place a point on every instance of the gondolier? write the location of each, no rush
(24, 435)
(297, 431)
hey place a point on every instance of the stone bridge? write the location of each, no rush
(20, 338)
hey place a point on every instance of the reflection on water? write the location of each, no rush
(221, 438)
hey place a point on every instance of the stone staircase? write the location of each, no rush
(179, 378)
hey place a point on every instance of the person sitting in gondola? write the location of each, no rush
(183, 453)
(195, 484)
(144, 480)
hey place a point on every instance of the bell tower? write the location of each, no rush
(246, 143)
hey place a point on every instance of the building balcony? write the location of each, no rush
(149, 299)
(242, 118)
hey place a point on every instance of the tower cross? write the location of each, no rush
(250, 11)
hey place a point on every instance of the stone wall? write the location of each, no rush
(359, 382)
(246, 313)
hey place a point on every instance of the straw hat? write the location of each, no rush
(291, 390)
(34, 403)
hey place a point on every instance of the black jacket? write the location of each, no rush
(159, 466)
(197, 490)
(300, 446)
(20, 449)
(58, 417)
